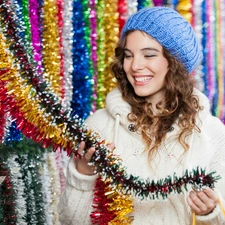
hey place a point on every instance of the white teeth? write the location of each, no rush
(142, 79)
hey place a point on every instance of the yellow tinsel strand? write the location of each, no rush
(219, 59)
(121, 206)
(51, 46)
(184, 8)
(108, 32)
(5, 60)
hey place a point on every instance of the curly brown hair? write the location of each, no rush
(180, 105)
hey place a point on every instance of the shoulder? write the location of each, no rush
(98, 120)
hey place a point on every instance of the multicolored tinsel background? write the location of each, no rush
(69, 45)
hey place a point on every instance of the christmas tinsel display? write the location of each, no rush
(37, 89)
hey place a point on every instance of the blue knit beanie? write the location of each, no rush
(171, 30)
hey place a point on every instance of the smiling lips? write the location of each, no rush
(142, 80)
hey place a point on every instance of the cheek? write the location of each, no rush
(126, 67)
(160, 66)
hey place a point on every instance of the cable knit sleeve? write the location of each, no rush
(75, 204)
(217, 133)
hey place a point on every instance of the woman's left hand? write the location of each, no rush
(202, 202)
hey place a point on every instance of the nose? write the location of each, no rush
(137, 64)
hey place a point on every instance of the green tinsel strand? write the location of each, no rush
(33, 188)
(22, 147)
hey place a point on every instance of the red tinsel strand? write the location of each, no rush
(60, 27)
(7, 196)
(101, 215)
(122, 10)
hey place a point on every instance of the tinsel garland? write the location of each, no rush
(111, 28)
(110, 207)
(107, 165)
(94, 56)
(144, 3)
(35, 21)
(45, 178)
(18, 185)
(219, 59)
(7, 196)
(2, 113)
(55, 185)
(211, 50)
(197, 24)
(82, 66)
(60, 24)
(123, 13)
(67, 36)
(29, 167)
(101, 48)
(132, 7)
(51, 51)
(40, 128)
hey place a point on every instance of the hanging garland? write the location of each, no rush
(41, 117)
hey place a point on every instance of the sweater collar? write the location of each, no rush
(117, 106)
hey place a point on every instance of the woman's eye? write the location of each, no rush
(127, 56)
(149, 56)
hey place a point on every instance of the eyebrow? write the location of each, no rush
(144, 49)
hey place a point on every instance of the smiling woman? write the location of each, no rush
(145, 66)
(159, 124)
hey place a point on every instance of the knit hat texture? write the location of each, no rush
(171, 30)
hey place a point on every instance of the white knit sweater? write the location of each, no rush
(207, 150)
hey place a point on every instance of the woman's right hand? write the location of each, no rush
(82, 162)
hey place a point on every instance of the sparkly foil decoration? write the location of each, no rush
(67, 37)
(108, 31)
(13, 133)
(123, 12)
(101, 57)
(94, 44)
(157, 2)
(7, 197)
(59, 167)
(35, 13)
(45, 178)
(29, 167)
(82, 65)
(49, 125)
(184, 8)
(18, 185)
(51, 51)
(219, 59)
(60, 24)
(144, 3)
(2, 113)
(198, 24)
(132, 7)
(211, 50)
(110, 207)
(55, 185)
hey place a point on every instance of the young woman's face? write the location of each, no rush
(145, 66)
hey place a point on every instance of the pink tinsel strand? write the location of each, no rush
(60, 29)
(2, 111)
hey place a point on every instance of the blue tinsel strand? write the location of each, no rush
(82, 78)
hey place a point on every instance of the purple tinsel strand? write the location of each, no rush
(35, 33)
(93, 25)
